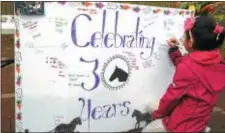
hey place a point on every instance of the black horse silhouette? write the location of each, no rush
(120, 74)
(68, 128)
(141, 117)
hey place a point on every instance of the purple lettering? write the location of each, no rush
(116, 35)
(137, 28)
(103, 112)
(94, 38)
(107, 38)
(100, 39)
(97, 109)
(74, 30)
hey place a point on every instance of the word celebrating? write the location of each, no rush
(104, 111)
(112, 39)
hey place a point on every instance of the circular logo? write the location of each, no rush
(116, 72)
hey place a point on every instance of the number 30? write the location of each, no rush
(96, 76)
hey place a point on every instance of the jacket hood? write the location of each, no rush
(211, 69)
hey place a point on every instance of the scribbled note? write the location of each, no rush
(39, 51)
(56, 64)
(61, 65)
(30, 24)
(60, 24)
(83, 9)
(52, 61)
(93, 11)
(168, 24)
(72, 80)
(36, 35)
(149, 24)
(150, 21)
(148, 64)
(64, 45)
(75, 79)
(132, 59)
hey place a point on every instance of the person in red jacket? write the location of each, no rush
(199, 78)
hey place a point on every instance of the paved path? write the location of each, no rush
(217, 122)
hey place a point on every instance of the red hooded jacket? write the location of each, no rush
(188, 102)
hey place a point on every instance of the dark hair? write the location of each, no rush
(202, 32)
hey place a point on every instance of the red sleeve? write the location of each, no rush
(175, 55)
(175, 91)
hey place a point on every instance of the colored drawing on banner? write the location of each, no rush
(92, 66)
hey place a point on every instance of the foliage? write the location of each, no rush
(201, 7)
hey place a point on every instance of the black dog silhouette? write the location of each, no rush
(141, 117)
(68, 128)
(120, 74)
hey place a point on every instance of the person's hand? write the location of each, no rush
(149, 109)
(152, 105)
(173, 42)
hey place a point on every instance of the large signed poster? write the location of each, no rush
(87, 67)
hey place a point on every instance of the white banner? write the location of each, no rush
(92, 67)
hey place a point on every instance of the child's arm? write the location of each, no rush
(175, 55)
(174, 93)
